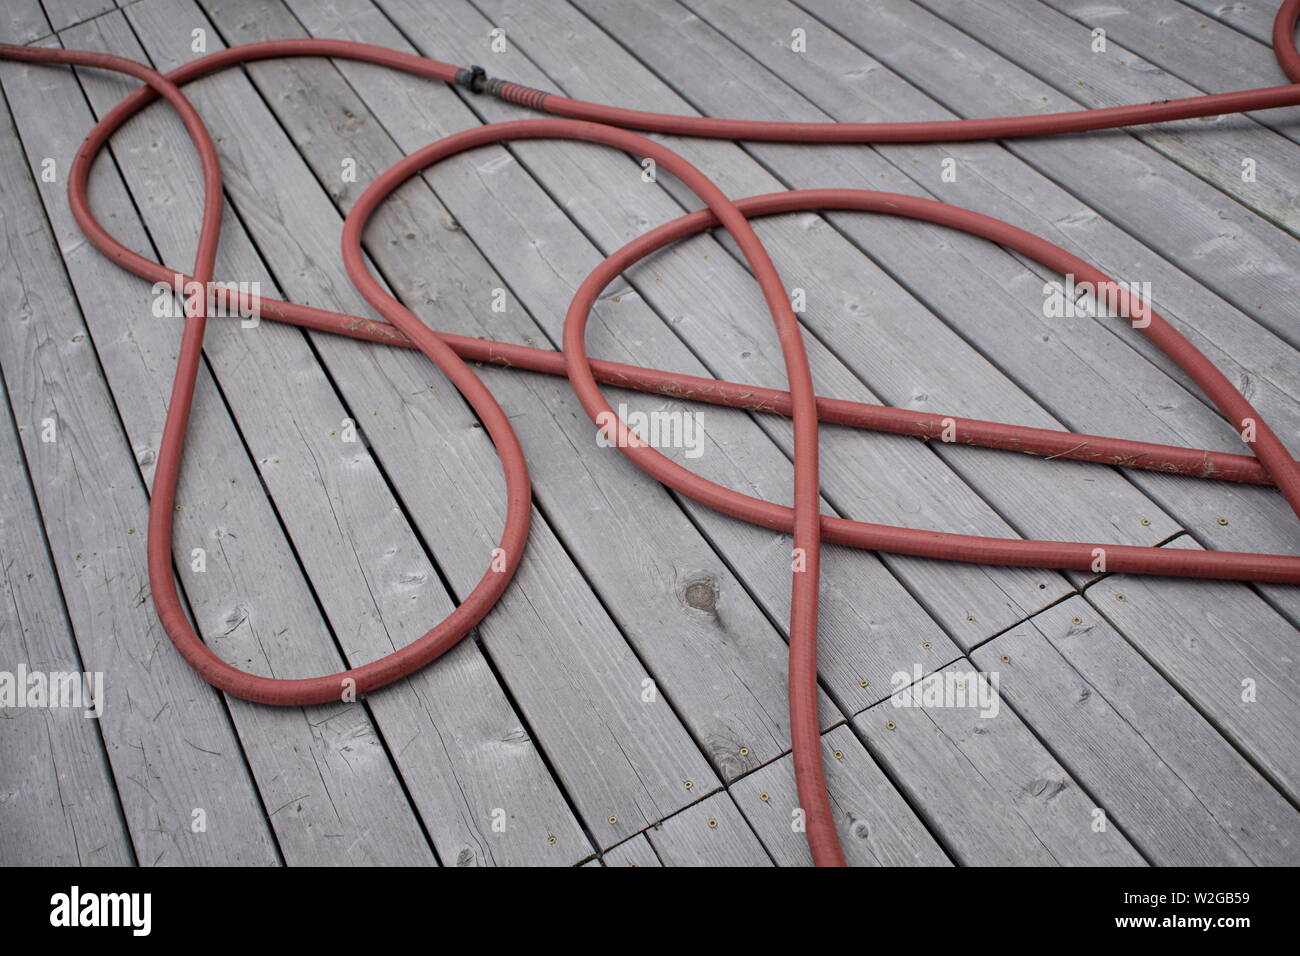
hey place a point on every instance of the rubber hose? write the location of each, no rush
(448, 352)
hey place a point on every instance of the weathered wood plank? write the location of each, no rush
(634, 852)
(875, 824)
(58, 805)
(986, 786)
(25, 22)
(463, 752)
(710, 833)
(1214, 641)
(1178, 790)
(1253, 19)
(169, 739)
(64, 13)
(562, 659)
(1082, 369)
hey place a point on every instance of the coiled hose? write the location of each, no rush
(609, 126)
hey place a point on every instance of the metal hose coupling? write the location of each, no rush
(475, 79)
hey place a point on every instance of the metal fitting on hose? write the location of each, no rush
(475, 79)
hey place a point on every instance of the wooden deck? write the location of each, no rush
(602, 714)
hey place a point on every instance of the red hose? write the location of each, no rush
(1271, 465)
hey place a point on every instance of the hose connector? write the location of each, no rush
(475, 79)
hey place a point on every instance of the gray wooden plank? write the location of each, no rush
(1212, 640)
(25, 22)
(563, 660)
(169, 739)
(1178, 789)
(875, 824)
(986, 785)
(634, 852)
(1095, 385)
(64, 13)
(709, 833)
(1194, 48)
(1215, 238)
(58, 805)
(481, 787)
(324, 774)
(709, 300)
(1253, 19)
